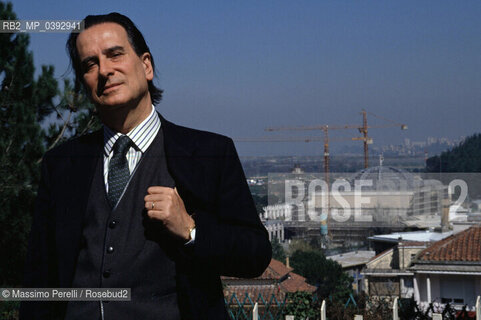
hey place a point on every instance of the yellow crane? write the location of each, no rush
(363, 129)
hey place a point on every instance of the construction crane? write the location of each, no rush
(363, 129)
(367, 140)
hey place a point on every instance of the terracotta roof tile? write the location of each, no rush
(278, 268)
(464, 246)
(291, 282)
(295, 282)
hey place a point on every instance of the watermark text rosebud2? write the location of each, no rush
(65, 294)
(392, 197)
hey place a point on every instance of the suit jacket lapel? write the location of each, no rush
(181, 152)
(84, 157)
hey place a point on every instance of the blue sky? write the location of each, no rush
(236, 67)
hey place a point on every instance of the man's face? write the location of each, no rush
(114, 75)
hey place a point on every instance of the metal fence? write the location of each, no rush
(273, 308)
(269, 308)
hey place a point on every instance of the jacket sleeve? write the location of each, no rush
(232, 239)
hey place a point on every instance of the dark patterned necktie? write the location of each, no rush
(118, 170)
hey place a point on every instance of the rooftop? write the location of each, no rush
(462, 247)
(286, 281)
(388, 179)
(423, 221)
(295, 282)
(417, 236)
(353, 258)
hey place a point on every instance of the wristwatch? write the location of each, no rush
(191, 238)
(192, 233)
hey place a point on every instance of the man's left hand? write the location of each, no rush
(166, 205)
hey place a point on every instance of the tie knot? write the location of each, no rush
(122, 145)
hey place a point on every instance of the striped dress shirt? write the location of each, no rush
(141, 136)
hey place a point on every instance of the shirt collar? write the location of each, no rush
(142, 135)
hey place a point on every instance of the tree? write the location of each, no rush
(24, 102)
(76, 114)
(466, 157)
(302, 305)
(299, 245)
(325, 274)
(278, 251)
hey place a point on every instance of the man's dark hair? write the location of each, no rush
(135, 37)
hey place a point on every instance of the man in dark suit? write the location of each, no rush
(143, 203)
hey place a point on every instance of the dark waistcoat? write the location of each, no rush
(123, 248)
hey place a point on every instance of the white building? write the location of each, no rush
(383, 195)
(446, 271)
(388, 274)
(450, 270)
(278, 211)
